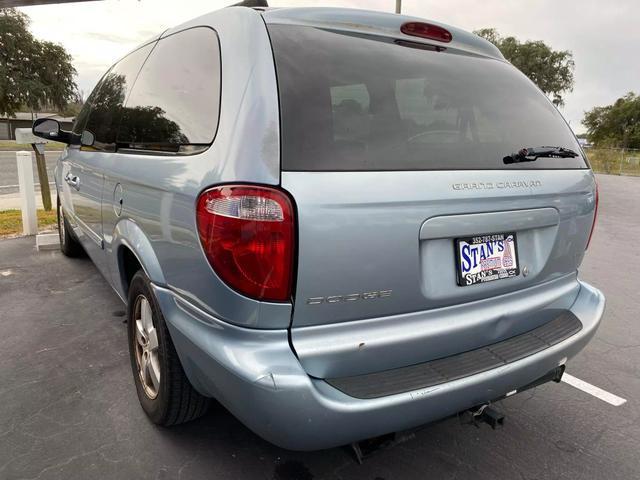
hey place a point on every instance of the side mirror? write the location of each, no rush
(49, 129)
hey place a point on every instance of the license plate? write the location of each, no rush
(486, 258)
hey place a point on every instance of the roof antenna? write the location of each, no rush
(251, 3)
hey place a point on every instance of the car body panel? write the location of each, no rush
(159, 193)
(254, 374)
(128, 234)
(83, 202)
(383, 343)
(386, 237)
(246, 147)
(355, 239)
(378, 23)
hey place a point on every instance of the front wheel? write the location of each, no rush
(69, 245)
(163, 389)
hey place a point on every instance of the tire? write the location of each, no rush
(69, 245)
(164, 391)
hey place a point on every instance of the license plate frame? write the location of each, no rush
(469, 269)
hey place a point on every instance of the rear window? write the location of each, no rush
(366, 103)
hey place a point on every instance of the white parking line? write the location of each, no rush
(603, 395)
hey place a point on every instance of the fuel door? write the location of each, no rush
(118, 199)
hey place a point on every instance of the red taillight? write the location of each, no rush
(595, 216)
(426, 30)
(247, 233)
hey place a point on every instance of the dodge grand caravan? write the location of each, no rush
(336, 223)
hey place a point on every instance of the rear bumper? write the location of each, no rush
(255, 374)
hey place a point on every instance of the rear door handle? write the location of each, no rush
(72, 180)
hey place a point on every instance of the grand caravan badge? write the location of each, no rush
(500, 185)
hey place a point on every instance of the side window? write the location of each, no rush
(83, 116)
(106, 102)
(175, 102)
(81, 119)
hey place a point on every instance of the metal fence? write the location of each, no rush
(614, 161)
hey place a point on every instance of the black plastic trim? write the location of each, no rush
(447, 369)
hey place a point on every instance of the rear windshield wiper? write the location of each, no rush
(532, 154)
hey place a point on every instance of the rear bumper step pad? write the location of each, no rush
(447, 369)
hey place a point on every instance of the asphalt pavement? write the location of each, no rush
(68, 407)
(9, 170)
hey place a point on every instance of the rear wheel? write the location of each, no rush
(163, 389)
(69, 245)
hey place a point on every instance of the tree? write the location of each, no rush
(615, 125)
(551, 70)
(32, 73)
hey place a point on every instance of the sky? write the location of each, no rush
(602, 35)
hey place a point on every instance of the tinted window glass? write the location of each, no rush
(81, 119)
(175, 101)
(107, 100)
(350, 113)
(366, 103)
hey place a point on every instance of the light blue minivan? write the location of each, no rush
(336, 223)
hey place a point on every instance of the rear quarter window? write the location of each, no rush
(367, 103)
(176, 98)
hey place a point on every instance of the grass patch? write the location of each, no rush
(11, 145)
(614, 161)
(11, 221)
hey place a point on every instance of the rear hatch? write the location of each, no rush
(394, 156)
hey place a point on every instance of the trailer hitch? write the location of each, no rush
(484, 413)
(366, 448)
(487, 414)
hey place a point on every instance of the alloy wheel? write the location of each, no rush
(146, 345)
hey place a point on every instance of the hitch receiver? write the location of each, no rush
(488, 415)
(365, 448)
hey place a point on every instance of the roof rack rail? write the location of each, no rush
(251, 3)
